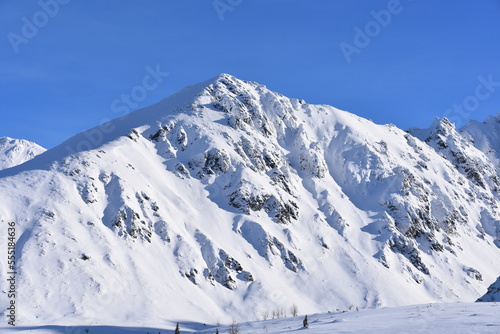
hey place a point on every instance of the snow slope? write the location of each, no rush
(14, 152)
(426, 318)
(227, 200)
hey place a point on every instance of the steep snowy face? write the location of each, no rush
(493, 293)
(14, 152)
(233, 201)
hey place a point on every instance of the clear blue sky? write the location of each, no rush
(416, 63)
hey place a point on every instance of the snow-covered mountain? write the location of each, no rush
(229, 201)
(16, 151)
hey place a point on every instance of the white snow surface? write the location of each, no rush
(227, 200)
(459, 318)
(14, 152)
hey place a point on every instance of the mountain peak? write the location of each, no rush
(17, 151)
(225, 76)
(442, 123)
(439, 128)
(227, 84)
(223, 92)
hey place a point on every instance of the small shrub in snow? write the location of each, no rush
(305, 323)
(177, 330)
(234, 329)
(294, 310)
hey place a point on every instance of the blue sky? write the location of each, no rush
(63, 63)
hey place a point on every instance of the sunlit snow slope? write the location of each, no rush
(227, 200)
(16, 151)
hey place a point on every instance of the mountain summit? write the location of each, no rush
(227, 200)
(14, 152)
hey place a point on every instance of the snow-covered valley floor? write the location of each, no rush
(428, 318)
